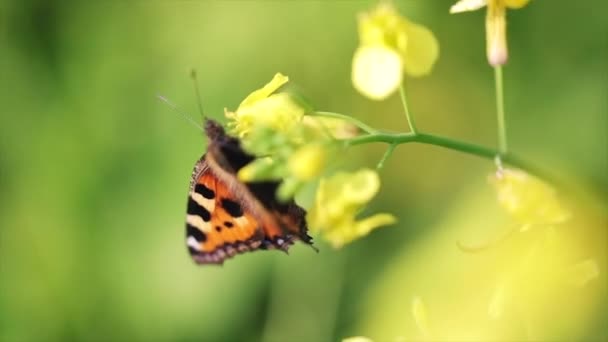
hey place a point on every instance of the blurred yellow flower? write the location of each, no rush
(308, 161)
(277, 111)
(389, 45)
(528, 199)
(338, 200)
(496, 24)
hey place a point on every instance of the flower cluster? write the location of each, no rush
(297, 148)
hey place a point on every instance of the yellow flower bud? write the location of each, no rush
(496, 33)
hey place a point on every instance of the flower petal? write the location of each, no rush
(467, 6)
(377, 71)
(515, 4)
(422, 50)
(368, 224)
(277, 81)
(362, 186)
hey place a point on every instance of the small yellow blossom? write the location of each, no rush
(338, 200)
(496, 24)
(264, 107)
(389, 45)
(528, 199)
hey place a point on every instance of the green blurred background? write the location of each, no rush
(94, 173)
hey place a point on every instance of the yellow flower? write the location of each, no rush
(528, 199)
(308, 161)
(339, 198)
(389, 45)
(496, 24)
(262, 107)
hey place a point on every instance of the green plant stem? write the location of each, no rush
(350, 119)
(395, 139)
(500, 111)
(386, 155)
(451, 144)
(410, 118)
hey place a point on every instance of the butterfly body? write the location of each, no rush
(226, 216)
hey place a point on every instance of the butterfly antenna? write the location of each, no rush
(198, 93)
(175, 109)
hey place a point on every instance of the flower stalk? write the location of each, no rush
(485, 152)
(410, 118)
(500, 111)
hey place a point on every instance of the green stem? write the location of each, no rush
(410, 118)
(386, 155)
(424, 138)
(500, 111)
(350, 119)
(451, 144)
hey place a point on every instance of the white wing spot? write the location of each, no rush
(206, 203)
(241, 221)
(191, 242)
(198, 222)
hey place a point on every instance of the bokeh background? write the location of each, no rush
(94, 173)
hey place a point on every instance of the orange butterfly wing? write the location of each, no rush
(218, 227)
(226, 216)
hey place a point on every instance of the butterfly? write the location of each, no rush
(226, 216)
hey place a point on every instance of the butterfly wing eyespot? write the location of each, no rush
(226, 217)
